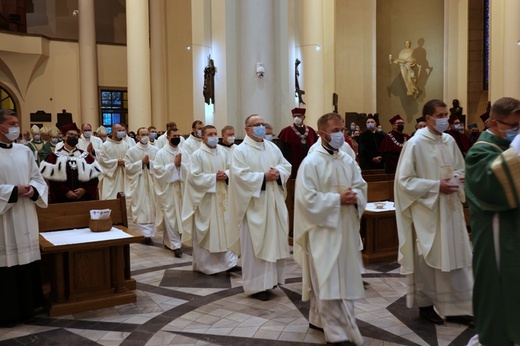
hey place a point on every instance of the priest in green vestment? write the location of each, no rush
(493, 193)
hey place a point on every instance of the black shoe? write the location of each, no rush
(430, 315)
(147, 241)
(177, 253)
(312, 326)
(264, 295)
(466, 320)
(234, 269)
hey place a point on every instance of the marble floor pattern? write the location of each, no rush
(176, 306)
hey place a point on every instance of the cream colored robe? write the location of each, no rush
(162, 141)
(328, 229)
(190, 145)
(345, 148)
(142, 190)
(114, 176)
(437, 219)
(264, 211)
(167, 180)
(19, 242)
(83, 143)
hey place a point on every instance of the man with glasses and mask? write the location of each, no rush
(72, 173)
(258, 174)
(87, 141)
(169, 173)
(434, 248)
(392, 144)
(21, 187)
(493, 189)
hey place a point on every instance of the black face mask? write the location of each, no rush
(400, 127)
(72, 141)
(175, 141)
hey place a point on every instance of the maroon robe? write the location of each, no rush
(463, 141)
(293, 149)
(59, 189)
(391, 151)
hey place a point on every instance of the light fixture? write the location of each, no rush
(317, 47)
(190, 45)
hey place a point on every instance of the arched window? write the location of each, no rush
(6, 100)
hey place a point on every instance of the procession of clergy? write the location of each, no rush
(226, 200)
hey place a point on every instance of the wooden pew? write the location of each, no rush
(90, 275)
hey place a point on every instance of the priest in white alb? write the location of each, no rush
(194, 141)
(139, 164)
(434, 249)
(330, 198)
(168, 173)
(205, 207)
(258, 174)
(111, 158)
(88, 142)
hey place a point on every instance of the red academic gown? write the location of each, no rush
(391, 149)
(59, 189)
(463, 141)
(293, 148)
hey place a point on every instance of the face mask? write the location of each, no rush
(37, 137)
(120, 134)
(231, 139)
(297, 121)
(144, 140)
(87, 134)
(259, 131)
(13, 134)
(474, 134)
(371, 126)
(336, 140)
(212, 141)
(457, 127)
(153, 135)
(269, 137)
(352, 128)
(400, 127)
(54, 140)
(379, 130)
(175, 141)
(441, 124)
(72, 141)
(199, 133)
(60, 138)
(510, 134)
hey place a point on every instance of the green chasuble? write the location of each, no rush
(493, 194)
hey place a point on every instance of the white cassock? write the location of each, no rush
(327, 243)
(205, 212)
(345, 148)
(434, 247)
(129, 141)
(84, 142)
(168, 187)
(228, 149)
(114, 179)
(142, 190)
(260, 214)
(190, 145)
(19, 244)
(163, 140)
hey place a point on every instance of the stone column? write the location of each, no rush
(158, 63)
(138, 64)
(88, 70)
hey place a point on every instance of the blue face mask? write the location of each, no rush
(352, 128)
(212, 141)
(153, 135)
(511, 134)
(259, 131)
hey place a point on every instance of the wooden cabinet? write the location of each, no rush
(379, 235)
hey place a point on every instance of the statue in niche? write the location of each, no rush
(456, 109)
(299, 92)
(209, 82)
(410, 70)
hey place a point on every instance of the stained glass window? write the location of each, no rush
(486, 46)
(114, 107)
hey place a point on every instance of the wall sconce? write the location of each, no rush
(260, 70)
(317, 47)
(190, 45)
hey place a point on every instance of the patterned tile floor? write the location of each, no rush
(176, 306)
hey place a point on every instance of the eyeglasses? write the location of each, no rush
(256, 125)
(513, 126)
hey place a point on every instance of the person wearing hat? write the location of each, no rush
(393, 144)
(44, 133)
(36, 143)
(88, 142)
(101, 133)
(474, 133)
(368, 148)
(50, 145)
(461, 138)
(71, 172)
(297, 139)
(420, 123)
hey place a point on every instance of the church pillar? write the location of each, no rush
(504, 52)
(256, 43)
(312, 66)
(158, 63)
(138, 64)
(88, 70)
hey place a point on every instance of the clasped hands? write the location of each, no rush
(75, 194)
(272, 174)
(348, 197)
(221, 175)
(25, 191)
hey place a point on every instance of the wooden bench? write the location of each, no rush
(89, 275)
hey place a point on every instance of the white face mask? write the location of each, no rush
(144, 140)
(87, 134)
(13, 134)
(199, 133)
(231, 139)
(54, 140)
(212, 141)
(337, 139)
(37, 137)
(441, 124)
(121, 134)
(269, 138)
(297, 121)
